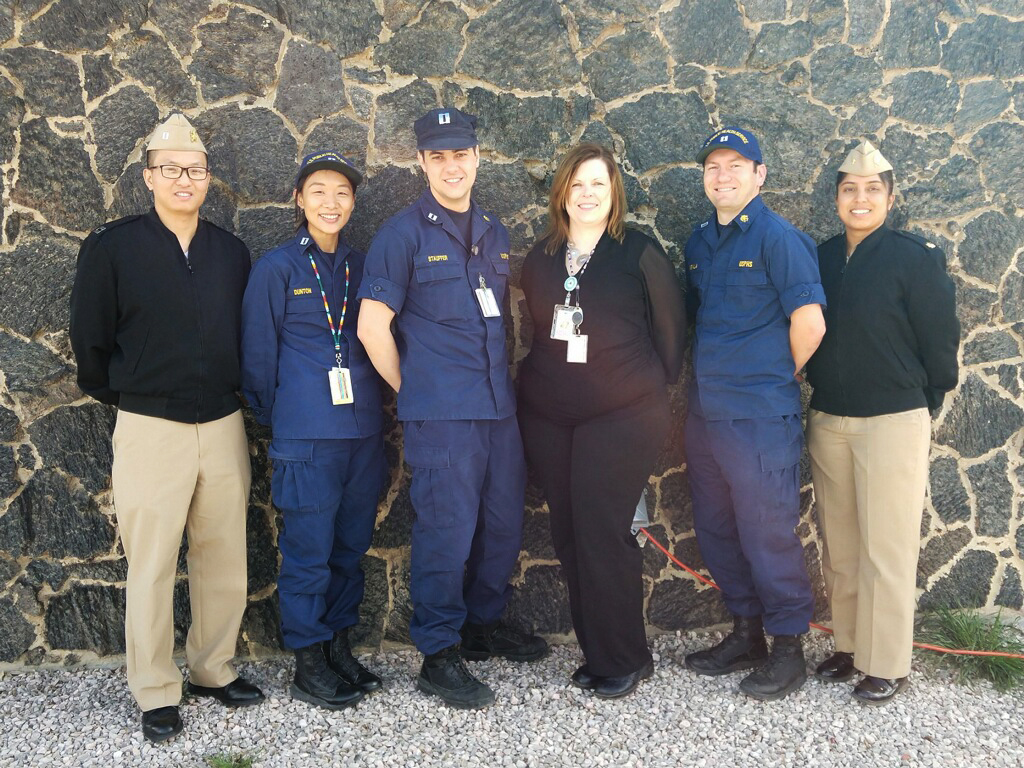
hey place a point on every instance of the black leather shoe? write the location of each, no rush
(346, 666)
(617, 687)
(317, 684)
(238, 693)
(444, 675)
(878, 690)
(484, 641)
(161, 723)
(582, 678)
(743, 648)
(783, 673)
(837, 668)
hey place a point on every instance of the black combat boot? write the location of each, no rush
(743, 648)
(346, 666)
(444, 674)
(785, 671)
(483, 641)
(315, 683)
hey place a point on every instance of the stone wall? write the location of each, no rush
(938, 83)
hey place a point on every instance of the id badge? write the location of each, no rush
(341, 386)
(488, 306)
(576, 349)
(564, 321)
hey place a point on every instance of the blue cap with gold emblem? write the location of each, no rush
(328, 161)
(446, 128)
(731, 137)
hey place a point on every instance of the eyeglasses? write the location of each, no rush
(195, 172)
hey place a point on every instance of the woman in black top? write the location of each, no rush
(888, 356)
(609, 329)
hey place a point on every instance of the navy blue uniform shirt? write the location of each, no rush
(287, 348)
(453, 359)
(742, 287)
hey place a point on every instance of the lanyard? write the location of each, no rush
(335, 334)
(572, 282)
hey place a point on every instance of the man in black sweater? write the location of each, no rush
(155, 325)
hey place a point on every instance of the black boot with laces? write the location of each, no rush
(444, 674)
(785, 671)
(339, 656)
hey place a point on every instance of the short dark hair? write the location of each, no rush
(885, 176)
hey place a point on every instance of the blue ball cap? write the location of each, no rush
(328, 161)
(734, 138)
(446, 128)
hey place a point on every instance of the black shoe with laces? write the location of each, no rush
(483, 641)
(743, 648)
(316, 683)
(346, 666)
(784, 672)
(444, 675)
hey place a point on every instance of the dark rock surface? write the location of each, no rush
(994, 495)
(626, 63)
(427, 47)
(840, 76)
(939, 551)
(912, 36)
(541, 603)
(311, 84)
(87, 617)
(650, 142)
(1010, 593)
(12, 111)
(396, 113)
(507, 124)
(956, 185)
(267, 227)
(710, 33)
(967, 585)
(149, 59)
(18, 635)
(971, 50)
(979, 420)
(990, 241)
(251, 68)
(121, 123)
(93, 21)
(37, 277)
(991, 145)
(78, 441)
(778, 43)
(45, 78)
(990, 347)
(178, 20)
(982, 101)
(683, 603)
(926, 98)
(347, 27)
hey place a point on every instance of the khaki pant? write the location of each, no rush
(170, 478)
(869, 478)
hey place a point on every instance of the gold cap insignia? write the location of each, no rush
(175, 133)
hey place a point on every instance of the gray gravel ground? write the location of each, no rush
(86, 717)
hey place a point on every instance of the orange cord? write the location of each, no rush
(925, 646)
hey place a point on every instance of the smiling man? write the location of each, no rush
(755, 295)
(440, 270)
(155, 326)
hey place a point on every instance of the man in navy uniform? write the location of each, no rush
(756, 296)
(440, 270)
(155, 324)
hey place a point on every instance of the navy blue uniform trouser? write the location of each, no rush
(592, 475)
(327, 491)
(468, 487)
(744, 481)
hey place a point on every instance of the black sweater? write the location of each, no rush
(152, 332)
(892, 334)
(635, 319)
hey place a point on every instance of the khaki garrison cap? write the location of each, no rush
(864, 160)
(175, 133)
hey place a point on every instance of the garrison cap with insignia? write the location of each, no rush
(865, 160)
(175, 133)
(446, 128)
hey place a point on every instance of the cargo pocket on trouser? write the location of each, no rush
(293, 482)
(432, 490)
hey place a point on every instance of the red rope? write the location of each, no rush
(925, 646)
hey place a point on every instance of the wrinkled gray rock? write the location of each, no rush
(12, 112)
(972, 49)
(10, 426)
(912, 37)
(6, 23)
(840, 76)
(991, 145)
(990, 347)
(994, 496)
(78, 441)
(37, 277)
(261, 548)
(93, 22)
(982, 101)
(347, 27)
(507, 124)
(1010, 593)
(121, 123)
(254, 44)
(341, 134)
(51, 518)
(30, 369)
(428, 46)
(18, 635)
(149, 59)
(684, 603)
(911, 154)
(627, 63)
(178, 20)
(939, 551)
(385, 192)
(396, 113)
(678, 196)
(50, 81)
(537, 536)
(541, 603)
(373, 611)
(865, 20)
(398, 13)
(764, 10)
(979, 420)
(709, 33)
(100, 75)
(957, 186)
(264, 228)
(990, 240)
(1011, 297)
(521, 44)
(778, 43)
(504, 189)
(311, 84)
(396, 529)
(926, 98)
(651, 142)
(261, 625)
(88, 617)
(9, 482)
(967, 584)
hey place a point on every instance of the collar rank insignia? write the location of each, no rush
(304, 241)
(744, 218)
(432, 216)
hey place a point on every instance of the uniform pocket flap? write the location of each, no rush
(427, 456)
(426, 273)
(746, 276)
(304, 304)
(500, 266)
(290, 450)
(781, 456)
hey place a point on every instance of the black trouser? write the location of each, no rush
(592, 475)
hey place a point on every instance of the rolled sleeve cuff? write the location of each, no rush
(383, 290)
(801, 295)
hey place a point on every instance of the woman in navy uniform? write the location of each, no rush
(888, 356)
(305, 373)
(594, 410)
